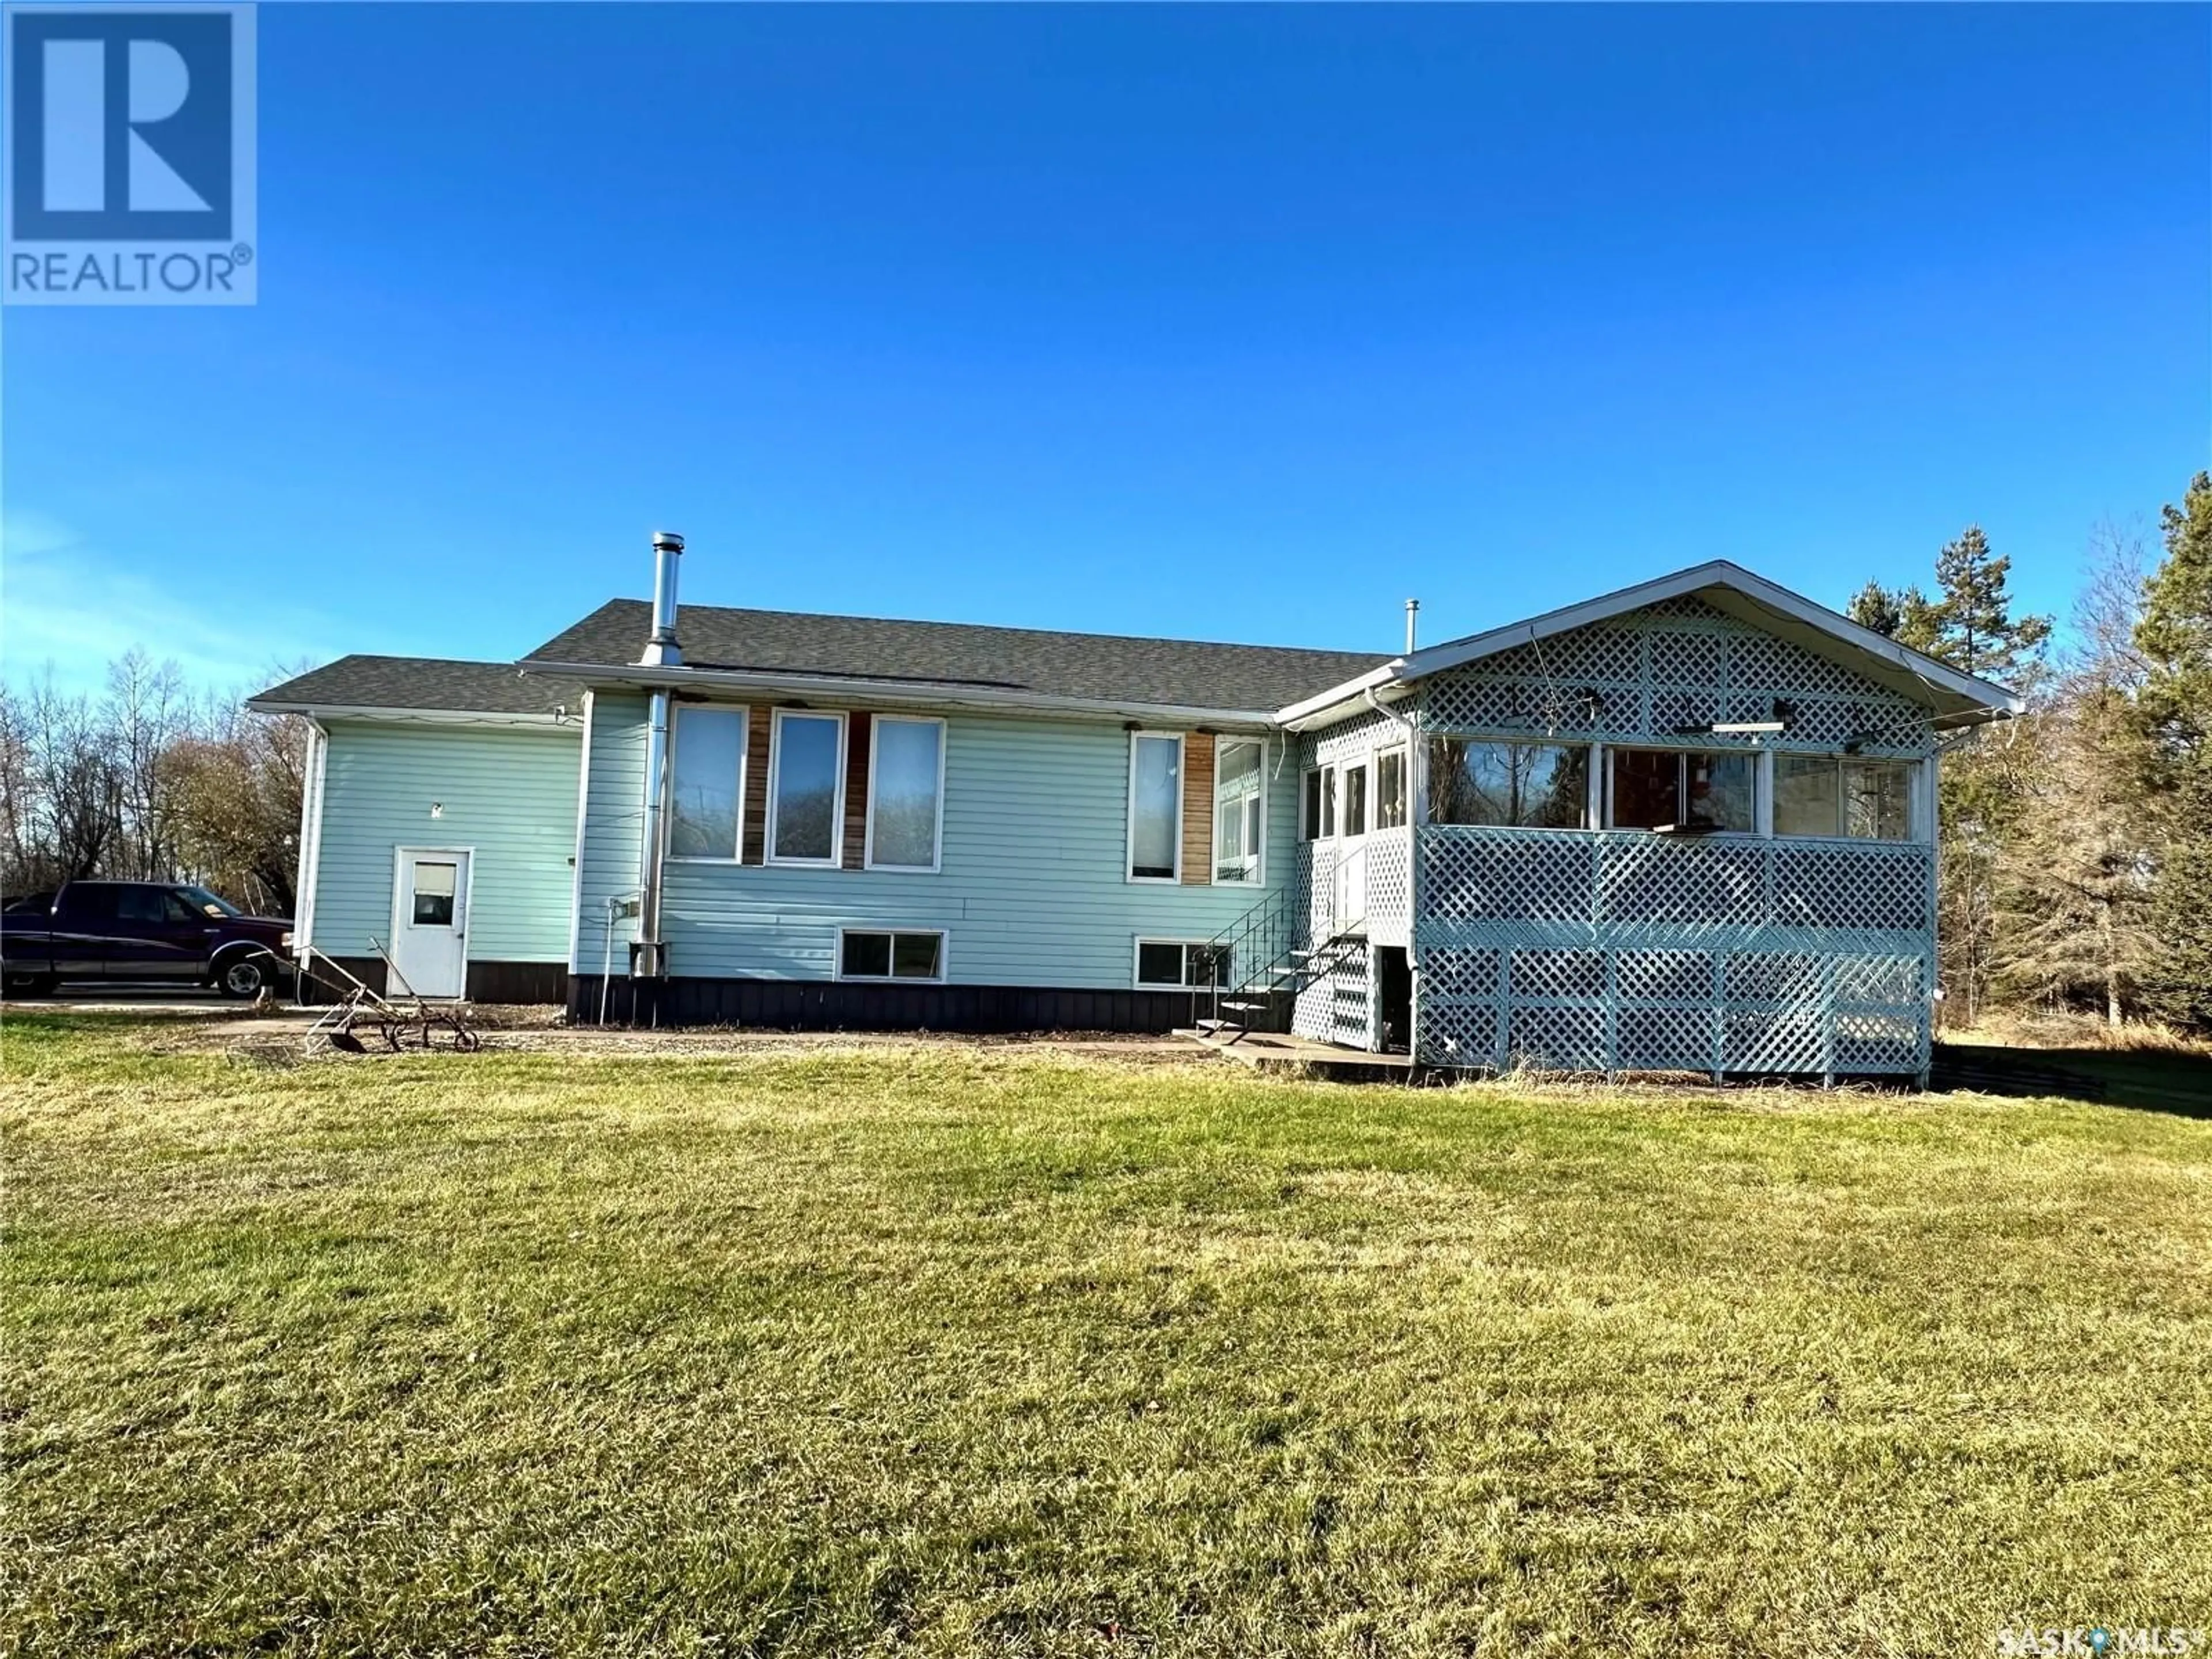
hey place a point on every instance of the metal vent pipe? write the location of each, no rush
(662, 650)
(648, 955)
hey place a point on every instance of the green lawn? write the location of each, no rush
(951, 1351)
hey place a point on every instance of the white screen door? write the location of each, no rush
(429, 922)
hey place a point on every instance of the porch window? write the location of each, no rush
(1155, 806)
(1528, 785)
(1355, 801)
(707, 781)
(1317, 805)
(806, 776)
(906, 792)
(1674, 788)
(1390, 790)
(867, 954)
(1240, 786)
(1178, 964)
(1825, 795)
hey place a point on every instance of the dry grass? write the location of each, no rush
(966, 1351)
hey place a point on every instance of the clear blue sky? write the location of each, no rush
(1234, 323)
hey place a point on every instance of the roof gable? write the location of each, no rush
(1953, 697)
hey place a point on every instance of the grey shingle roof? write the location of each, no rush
(426, 683)
(1107, 667)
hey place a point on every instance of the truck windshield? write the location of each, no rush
(208, 902)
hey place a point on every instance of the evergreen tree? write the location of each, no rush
(1877, 607)
(1974, 628)
(2174, 715)
(1904, 614)
(2175, 639)
(1985, 799)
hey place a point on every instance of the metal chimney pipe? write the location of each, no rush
(1413, 610)
(648, 952)
(662, 650)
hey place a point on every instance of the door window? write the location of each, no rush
(435, 884)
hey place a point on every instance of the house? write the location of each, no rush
(1687, 825)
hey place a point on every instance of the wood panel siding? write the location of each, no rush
(759, 719)
(857, 732)
(1198, 809)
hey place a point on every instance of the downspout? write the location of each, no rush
(311, 849)
(1417, 815)
(648, 956)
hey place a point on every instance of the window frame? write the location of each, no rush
(942, 976)
(1404, 754)
(745, 715)
(1182, 741)
(868, 862)
(1364, 767)
(1915, 825)
(1682, 754)
(769, 854)
(1593, 759)
(1258, 853)
(1137, 944)
(1314, 795)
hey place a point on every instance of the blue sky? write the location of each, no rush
(1231, 323)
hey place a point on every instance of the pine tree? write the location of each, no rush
(2175, 639)
(1904, 614)
(1974, 627)
(1877, 607)
(2175, 713)
(1984, 798)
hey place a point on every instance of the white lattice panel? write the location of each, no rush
(1339, 1007)
(1623, 953)
(1679, 664)
(1389, 882)
(1350, 740)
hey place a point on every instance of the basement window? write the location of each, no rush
(1180, 964)
(1680, 789)
(866, 954)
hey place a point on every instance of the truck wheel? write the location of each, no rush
(244, 977)
(30, 985)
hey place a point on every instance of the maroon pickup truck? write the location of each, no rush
(114, 931)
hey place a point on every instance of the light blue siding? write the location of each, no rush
(508, 792)
(614, 812)
(1031, 891)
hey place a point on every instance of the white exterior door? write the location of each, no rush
(430, 921)
(1355, 806)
